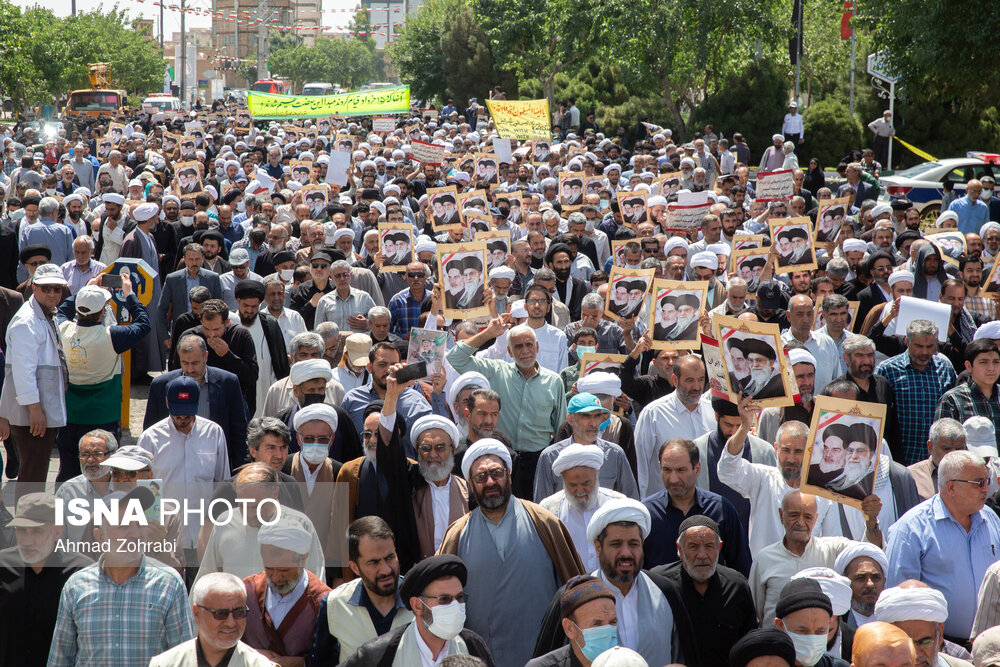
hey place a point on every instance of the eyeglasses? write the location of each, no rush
(126, 474)
(415, 275)
(368, 435)
(977, 482)
(51, 289)
(313, 439)
(535, 302)
(97, 456)
(238, 613)
(447, 599)
(497, 474)
(437, 449)
(650, 249)
(341, 275)
(319, 265)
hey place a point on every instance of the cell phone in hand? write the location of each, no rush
(111, 281)
(415, 371)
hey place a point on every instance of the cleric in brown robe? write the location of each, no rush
(284, 599)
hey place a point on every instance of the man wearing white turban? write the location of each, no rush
(580, 497)
(865, 565)
(284, 591)
(518, 555)
(921, 611)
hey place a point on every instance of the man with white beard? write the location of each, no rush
(440, 497)
(765, 376)
(95, 480)
(860, 455)
(32, 575)
(580, 496)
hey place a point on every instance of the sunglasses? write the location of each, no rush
(319, 265)
(415, 275)
(238, 613)
(50, 289)
(497, 474)
(976, 482)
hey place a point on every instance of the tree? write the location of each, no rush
(541, 38)
(351, 62)
(938, 48)
(831, 132)
(363, 31)
(299, 64)
(18, 77)
(685, 49)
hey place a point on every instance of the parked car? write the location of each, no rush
(923, 184)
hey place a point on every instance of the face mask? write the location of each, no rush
(808, 648)
(585, 349)
(50, 191)
(604, 424)
(598, 640)
(241, 207)
(632, 266)
(986, 194)
(309, 399)
(314, 453)
(286, 274)
(604, 205)
(447, 620)
(187, 220)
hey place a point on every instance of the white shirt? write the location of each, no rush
(793, 125)
(427, 658)
(347, 379)
(265, 371)
(861, 619)
(765, 488)
(228, 281)
(663, 419)
(291, 324)
(774, 566)
(441, 502)
(829, 362)
(627, 608)
(278, 606)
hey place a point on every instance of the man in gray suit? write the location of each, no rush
(174, 300)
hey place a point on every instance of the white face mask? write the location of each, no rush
(808, 648)
(986, 194)
(241, 207)
(50, 191)
(447, 620)
(314, 453)
(286, 274)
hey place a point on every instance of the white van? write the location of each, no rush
(317, 89)
(162, 102)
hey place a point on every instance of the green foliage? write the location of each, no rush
(752, 102)
(443, 52)
(42, 55)
(329, 60)
(939, 48)
(830, 132)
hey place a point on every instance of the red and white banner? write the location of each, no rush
(426, 153)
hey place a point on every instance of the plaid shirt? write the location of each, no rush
(103, 623)
(915, 396)
(406, 311)
(981, 307)
(967, 400)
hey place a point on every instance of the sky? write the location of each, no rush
(171, 19)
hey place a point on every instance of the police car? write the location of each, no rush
(924, 184)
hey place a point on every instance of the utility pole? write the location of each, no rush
(236, 32)
(852, 71)
(183, 55)
(161, 25)
(800, 6)
(73, 8)
(263, 11)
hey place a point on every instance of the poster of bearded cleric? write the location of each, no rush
(755, 362)
(845, 443)
(463, 267)
(627, 292)
(793, 237)
(673, 318)
(396, 243)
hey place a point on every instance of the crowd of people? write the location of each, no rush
(513, 505)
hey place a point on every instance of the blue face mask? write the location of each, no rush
(598, 640)
(584, 349)
(604, 424)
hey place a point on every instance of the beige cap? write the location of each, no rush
(357, 348)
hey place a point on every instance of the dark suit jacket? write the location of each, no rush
(869, 297)
(240, 360)
(10, 302)
(381, 651)
(864, 192)
(174, 298)
(8, 258)
(165, 235)
(226, 408)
